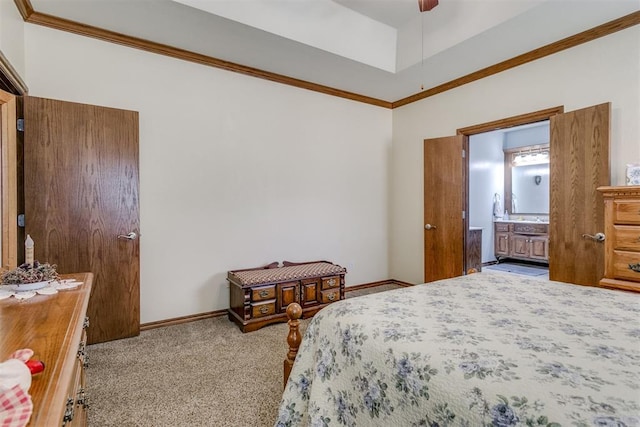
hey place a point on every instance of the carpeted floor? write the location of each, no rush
(204, 373)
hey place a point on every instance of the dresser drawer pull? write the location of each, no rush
(68, 412)
(264, 293)
(331, 282)
(331, 296)
(635, 267)
(82, 398)
(264, 309)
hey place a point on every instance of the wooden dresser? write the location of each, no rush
(260, 296)
(53, 326)
(622, 243)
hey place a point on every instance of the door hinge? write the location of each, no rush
(464, 214)
(21, 220)
(20, 125)
(464, 153)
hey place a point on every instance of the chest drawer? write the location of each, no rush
(626, 212)
(626, 237)
(330, 282)
(329, 295)
(626, 265)
(262, 309)
(263, 293)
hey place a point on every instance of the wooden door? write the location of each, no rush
(81, 193)
(579, 165)
(443, 206)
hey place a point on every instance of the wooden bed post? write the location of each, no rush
(294, 312)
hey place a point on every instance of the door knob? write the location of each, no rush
(130, 236)
(429, 227)
(598, 237)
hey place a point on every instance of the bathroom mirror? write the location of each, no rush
(527, 180)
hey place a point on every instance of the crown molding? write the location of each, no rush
(33, 17)
(566, 43)
(78, 28)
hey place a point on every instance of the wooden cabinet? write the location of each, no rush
(521, 240)
(54, 327)
(474, 249)
(260, 296)
(501, 240)
(622, 242)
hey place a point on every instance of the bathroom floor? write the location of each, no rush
(541, 271)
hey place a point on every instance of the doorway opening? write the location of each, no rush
(508, 201)
(492, 236)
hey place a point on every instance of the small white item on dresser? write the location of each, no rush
(633, 174)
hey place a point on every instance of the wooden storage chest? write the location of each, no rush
(260, 296)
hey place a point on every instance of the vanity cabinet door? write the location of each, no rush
(502, 244)
(539, 248)
(520, 246)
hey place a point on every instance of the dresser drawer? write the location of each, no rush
(330, 282)
(263, 293)
(626, 212)
(624, 264)
(626, 237)
(262, 309)
(329, 295)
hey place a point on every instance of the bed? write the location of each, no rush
(486, 349)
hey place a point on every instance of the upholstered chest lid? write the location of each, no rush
(282, 274)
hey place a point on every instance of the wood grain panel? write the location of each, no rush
(81, 187)
(443, 206)
(579, 165)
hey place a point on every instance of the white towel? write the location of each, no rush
(497, 206)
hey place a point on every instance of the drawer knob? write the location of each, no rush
(331, 296)
(264, 309)
(264, 293)
(332, 282)
(635, 267)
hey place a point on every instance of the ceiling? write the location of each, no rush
(383, 49)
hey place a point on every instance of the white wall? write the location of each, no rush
(486, 178)
(12, 35)
(235, 171)
(606, 69)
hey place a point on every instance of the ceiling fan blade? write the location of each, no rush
(427, 5)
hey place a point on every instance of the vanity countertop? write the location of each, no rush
(523, 221)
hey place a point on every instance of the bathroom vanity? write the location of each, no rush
(524, 240)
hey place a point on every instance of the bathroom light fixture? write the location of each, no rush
(531, 157)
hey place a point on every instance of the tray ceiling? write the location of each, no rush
(383, 49)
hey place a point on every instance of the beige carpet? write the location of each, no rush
(204, 373)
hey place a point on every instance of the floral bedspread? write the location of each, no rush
(487, 349)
